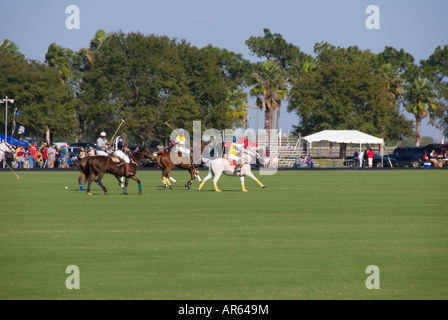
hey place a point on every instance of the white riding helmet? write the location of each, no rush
(103, 134)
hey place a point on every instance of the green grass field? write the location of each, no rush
(308, 235)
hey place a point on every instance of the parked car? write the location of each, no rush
(441, 151)
(409, 156)
(86, 145)
(349, 161)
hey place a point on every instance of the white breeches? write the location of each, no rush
(233, 157)
(102, 153)
(183, 150)
(120, 154)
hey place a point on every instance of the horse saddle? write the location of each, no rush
(116, 159)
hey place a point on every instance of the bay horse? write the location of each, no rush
(165, 163)
(82, 163)
(97, 166)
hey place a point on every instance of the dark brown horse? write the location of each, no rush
(82, 163)
(166, 164)
(96, 167)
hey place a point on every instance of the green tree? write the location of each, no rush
(8, 47)
(421, 101)
(46, 105)
(148, 80)
(342, 96)
(435, 69)
(270, 78)
(274, 47)
(269, 89)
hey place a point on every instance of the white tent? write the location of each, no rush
(343, 136)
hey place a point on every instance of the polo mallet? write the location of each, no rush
(166, 122)
(12, 170)
(122, 121)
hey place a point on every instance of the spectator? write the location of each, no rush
(51, 156)
(33, 154)
(63, 155)
(20, 157)
(309, 162)
(82, 153)
(44, 152)
(433, 158)
(370, 155)
(69, 162)
(91, 152)
(300, 161)
(356, 158)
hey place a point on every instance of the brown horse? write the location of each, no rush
(97, 167)
(165, 163)
(82, 163)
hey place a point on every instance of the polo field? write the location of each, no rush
(311, 234)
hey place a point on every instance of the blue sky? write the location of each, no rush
(416, 26)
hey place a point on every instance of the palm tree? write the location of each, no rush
(238, 99)
(100, 38)
(8, 47)
(421, 102)
(270, 89)
(61, 59)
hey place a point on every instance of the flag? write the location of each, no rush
(14, 125)
(16, 113)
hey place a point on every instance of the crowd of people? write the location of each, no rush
(47, 156)
(301, 162)
(53, 156)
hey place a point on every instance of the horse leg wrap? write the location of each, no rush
(244, 188)
(260, 184)
(200, 186)
(216, 188)
(80, 187)
(140, 187)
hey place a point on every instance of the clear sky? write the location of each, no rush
(416, 26)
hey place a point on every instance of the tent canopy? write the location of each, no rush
(343, 136)
(14, 141)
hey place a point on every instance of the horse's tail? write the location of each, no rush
(87, 169)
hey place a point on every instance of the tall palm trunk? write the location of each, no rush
(278, 116)
(418, 130)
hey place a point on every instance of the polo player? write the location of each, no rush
(234, 149)
(120, 148)
(179, 143)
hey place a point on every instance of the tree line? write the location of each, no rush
(149, 79)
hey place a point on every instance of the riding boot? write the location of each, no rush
(128, 171)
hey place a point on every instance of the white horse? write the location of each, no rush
(4, 148)
(221, 165)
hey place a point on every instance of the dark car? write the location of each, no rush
(441, 152)
(440, 149)
(409, 156)
(387, 161)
